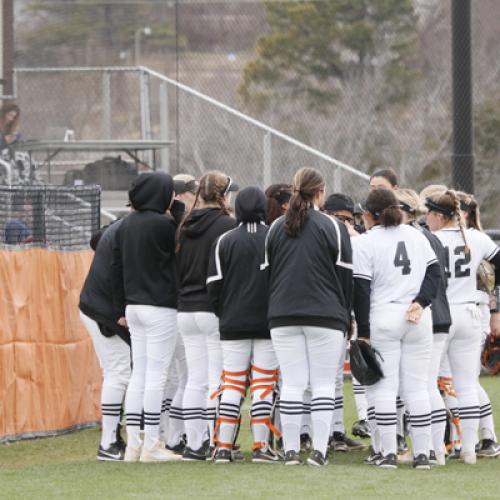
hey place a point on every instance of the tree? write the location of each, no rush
(83, 32)
(316, 48)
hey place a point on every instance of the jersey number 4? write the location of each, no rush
(459, 263)
(401, 258)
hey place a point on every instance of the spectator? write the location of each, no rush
(9, 125)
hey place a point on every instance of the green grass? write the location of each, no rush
(65, 468)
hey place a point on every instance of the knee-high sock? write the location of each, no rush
(360, 399)
(111, 404)
(486, 422)
(386, 417)
(322, 408)
(291, 411)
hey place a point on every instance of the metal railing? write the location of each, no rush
(137, 102)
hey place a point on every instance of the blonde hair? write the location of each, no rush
(211, 189)
(450, 200)
(412, 200)
(432, 190)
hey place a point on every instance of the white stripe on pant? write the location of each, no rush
(307, 354)
(114, 357)
(405, 350)
(200, 334)
(153, 331)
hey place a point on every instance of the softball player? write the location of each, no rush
(197, 322)
(310, 281)
(238, 290)
(144, 280)
(395, 278)
(489, 446)
(111, 341)
(465, 249)
(441, 321)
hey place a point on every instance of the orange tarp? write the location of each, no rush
(49, 375)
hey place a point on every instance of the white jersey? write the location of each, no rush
(462, 267)
(395, 260)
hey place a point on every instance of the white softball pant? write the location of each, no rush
(486, 422)
(114, 357)
(307, 355)
(254, 358)
(153, 331)
(406, 350)
(200, 334)
(463, 348)
(438, 408)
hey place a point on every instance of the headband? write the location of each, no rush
(404, 206)
(434, 207)
(378, 214)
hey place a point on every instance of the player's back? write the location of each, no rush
(462, 261)
(395, 259)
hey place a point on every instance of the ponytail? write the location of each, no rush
(383, 205)
(391, 216)
(306, 183)
(458, 214)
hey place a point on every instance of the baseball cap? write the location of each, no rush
(184, 183)
(339, 201)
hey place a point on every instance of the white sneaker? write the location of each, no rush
(440, 459)
(132, 454)
(468, 457)
(158, 453)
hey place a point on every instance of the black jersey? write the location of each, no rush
(310, 277)
(236, 285)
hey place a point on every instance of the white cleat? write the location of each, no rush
(158, 453)
(468, 457)
(132, 454)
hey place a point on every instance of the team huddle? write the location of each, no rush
(191, 305)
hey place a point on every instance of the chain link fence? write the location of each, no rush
(55, 217)
(212, 47)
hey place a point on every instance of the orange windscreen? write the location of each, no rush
(50, 378)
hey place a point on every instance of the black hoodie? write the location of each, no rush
(198, 233)
(144, 269)
(235, 283)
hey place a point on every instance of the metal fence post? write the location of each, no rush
(267, 157)
(145, 111)
(164, 136)
(106, 105)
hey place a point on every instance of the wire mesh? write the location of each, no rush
(53, 217)
(361, 127)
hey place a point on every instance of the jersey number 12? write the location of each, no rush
(401, 258)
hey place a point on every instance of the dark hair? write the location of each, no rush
(9, 128)
(212, 188)
(306, 183)
(383, 205)
(339, 201)
(277, 195)
(388, 174)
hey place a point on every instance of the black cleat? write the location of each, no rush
(454, 454)
(343, 443)
(292, 457)
(222, 456)
(114, 453)
(361, 429)
(305, 442)
(432, 458)
(265, 455)
(178, 449)
(390, 461)
(421, 462)
(317, 458)
(190, 455)
(489, 449)
(373, 458)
